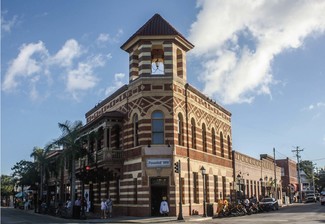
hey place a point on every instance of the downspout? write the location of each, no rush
(188, 150)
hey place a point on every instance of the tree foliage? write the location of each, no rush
(72, 146)
(320, 180)
(26, 172)
(307, 166)
(7, 185)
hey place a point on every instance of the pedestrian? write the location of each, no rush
(77, 202)
(109, 205)
(68, 204)
(103, 209)
(164, 209)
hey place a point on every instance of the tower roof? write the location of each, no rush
(156, 26)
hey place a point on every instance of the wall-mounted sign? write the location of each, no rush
(153, 163)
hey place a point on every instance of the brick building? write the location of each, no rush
(139, 132)
(289, 177)
(256, 176)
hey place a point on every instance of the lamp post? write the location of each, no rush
(180, 214)
(241, 180)
(239, 186)
(36, 198)
(203, 171)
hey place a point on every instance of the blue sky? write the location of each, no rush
(262, 60)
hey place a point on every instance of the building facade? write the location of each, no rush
(289, 177)
(253, 177)
(136, 135)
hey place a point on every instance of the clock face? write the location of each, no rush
(157, 68)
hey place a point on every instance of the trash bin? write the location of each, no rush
(210, 210)
(76, 212)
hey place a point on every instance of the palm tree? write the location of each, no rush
(72, 149)
(40, 158)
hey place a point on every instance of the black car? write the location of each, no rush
(268, 204)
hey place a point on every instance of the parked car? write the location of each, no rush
(268, 204)
(310, 198)
(322, 198)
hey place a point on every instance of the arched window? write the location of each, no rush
(204, 138)
(135, 130)
(180, 130)
(221, 145)
(157, 119)
(193, 130)
(214, 150)
(229, 147)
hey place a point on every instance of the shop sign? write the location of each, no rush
(153, 163)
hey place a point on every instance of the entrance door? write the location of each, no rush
(158, 187)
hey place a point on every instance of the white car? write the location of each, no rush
(322, 198)
(310, 198)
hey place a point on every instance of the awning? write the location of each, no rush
(21, 195)
(293, 187)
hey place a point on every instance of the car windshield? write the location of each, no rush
(267, 199)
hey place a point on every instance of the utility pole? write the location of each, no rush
(297, 151)
(313, 167)
(275, 186)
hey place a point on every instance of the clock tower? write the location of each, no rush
(157, 49)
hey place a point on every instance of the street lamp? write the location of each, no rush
(36, 198)
(239, 186)
(240, 178)
(203, 171)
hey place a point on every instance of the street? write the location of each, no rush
(297, 213)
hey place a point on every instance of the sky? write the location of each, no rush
(263, 60)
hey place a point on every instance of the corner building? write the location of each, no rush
(139, 132)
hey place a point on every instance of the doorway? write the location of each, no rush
(158, 189)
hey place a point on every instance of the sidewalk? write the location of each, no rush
(93, 218)
(132, 219)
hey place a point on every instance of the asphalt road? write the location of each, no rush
(299, 213)
(17, 216)
(310, 213)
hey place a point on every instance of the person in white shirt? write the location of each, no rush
(164, 209)
(103, 209)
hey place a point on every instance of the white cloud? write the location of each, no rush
(105, 37)
(69, 51)
(7, 25)
(117, 83)
(27, 63)
(83, 78)
(316, 105)
(238, 40)
(34, 63)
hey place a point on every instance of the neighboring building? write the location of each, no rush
(306, 183)
(253, 177)
(289, 177)
(137, 134)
